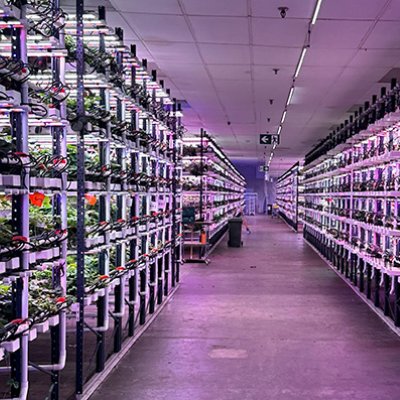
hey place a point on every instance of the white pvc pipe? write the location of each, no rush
(24, 384)
(63, 347)
(63, 350)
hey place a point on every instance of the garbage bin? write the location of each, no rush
(235, 232)
(269, 209)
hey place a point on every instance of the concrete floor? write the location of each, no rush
(269, 321)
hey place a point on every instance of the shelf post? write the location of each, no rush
(80, 280)
(377, 287)
(361, 269)
(174, 189)
(20, 215)
(386, 286)
(396, 316)
(369, 281)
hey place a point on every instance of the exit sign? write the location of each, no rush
(267, 138)
(264, 168)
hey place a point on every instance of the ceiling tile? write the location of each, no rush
(238, 89)
(198, 103)
(243, 114)
(115, 20)
(210, 109)
(354, 9)
(267, 74)
(384, 36)
(141, 50)
(297, 9)
(328, 58)
(325, 34)
(318, 75)
(210, 115)
(70, 5)
(363, 76)
(221, 29)
(212, 7)
(159, 28)
(180, 71)
(223, 130)
(392, 12)
(376, 58)
(295, 118)
(275, 56)
(225, 53)
(340, 99)
(191, 118)
(202, 95)
(175, 52)
(153, 6)
(277, 32)
(230, 72)
(352, 87)
(250, 130)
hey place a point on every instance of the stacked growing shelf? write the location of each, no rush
(33, 193)
(352, 209)
(300, 197)
(213, 187)
(90, 196)
(288, 192)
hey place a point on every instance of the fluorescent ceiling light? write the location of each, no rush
(290, 95)
(279, 130)
(316, 12)
(300, 63)
(283, 117)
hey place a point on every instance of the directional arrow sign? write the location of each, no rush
(267, 138)
(264, 168)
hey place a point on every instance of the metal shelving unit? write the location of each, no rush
(352, 200)
(90, 197)
(214, 189)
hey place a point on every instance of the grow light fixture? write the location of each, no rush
(283, 117)
(290, 96)
(316, 12)
(11, 24)
(300, 63)
(42, 53)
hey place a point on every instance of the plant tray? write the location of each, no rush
(11, 346)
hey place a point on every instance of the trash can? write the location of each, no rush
(235, 232)
(269, 209)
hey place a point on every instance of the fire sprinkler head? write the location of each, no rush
(283, 11)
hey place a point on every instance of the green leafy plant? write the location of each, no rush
(42, 219)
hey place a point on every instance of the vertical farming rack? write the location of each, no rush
(90, 197)
(214, 189)
(352, 209)
(289, 196)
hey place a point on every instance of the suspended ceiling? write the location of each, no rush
(220, 55)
